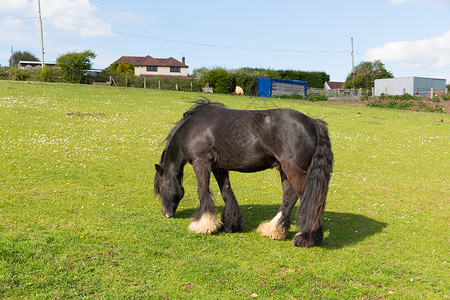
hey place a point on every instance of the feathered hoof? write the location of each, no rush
(272, 233)
(308, 239)
(207, 224)
(274, 229)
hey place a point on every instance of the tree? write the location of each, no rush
(121, 67)
(365, 74)
(18, 56)
(75, 64)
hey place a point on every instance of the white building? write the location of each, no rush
(24, 64)
(408, 85)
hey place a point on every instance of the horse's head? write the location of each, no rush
(171, 190)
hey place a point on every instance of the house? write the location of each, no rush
(24, 64)
(147, 66)
(333, 85)
(408, 85)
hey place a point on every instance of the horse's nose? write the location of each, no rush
(167, 213)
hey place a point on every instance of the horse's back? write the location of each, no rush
(248, 140)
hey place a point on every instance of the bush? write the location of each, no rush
(49, 74)
(436, 99)
(392, 104)
(220, 80)
(316, 97)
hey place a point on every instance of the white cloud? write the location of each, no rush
(77, 17)
(432, 52)
(17, 6)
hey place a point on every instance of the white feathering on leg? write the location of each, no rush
(208, 223)
(273, 229)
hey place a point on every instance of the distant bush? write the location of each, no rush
(436, 99)
(392, 104)
(224, 81)
(292, 96)
(221, 80)
(49, 74)
(316, 97)
(405, 97)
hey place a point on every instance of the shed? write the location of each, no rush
(408, 85)
(268, 87)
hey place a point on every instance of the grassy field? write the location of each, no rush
(78, 217)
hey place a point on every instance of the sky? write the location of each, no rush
(411, 37)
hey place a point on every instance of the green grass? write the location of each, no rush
(78, 217)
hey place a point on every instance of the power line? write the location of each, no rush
(200, 44)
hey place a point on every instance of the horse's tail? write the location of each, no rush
(312, 205)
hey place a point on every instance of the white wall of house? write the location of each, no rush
(162, 71)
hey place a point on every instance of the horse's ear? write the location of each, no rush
(159, 169)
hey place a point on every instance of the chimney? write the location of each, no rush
(183, 60)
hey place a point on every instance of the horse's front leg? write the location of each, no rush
(205, 220)
(278, 227)
(231, 217)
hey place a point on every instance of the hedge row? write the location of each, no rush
(221, 80)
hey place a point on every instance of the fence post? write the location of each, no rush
(159, 84)
(432, 93)
(145, 82)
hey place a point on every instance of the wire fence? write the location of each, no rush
(358, 94)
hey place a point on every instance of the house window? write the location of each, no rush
(175, 69)
(152, 68)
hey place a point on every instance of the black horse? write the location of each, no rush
(217, 139)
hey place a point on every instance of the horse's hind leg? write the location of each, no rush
(205, 220)
(278, 227)
(231, 217)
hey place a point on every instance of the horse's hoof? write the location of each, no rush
(207, 224)
(308, 239)
(274, 229)
(233, 222)
(237, 227)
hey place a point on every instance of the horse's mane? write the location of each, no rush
(198, 105)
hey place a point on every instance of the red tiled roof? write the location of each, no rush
(130, 59)
(150, 61)
(335, 85)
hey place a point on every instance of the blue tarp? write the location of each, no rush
(265, 85)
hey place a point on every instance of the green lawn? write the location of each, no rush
(78, 217)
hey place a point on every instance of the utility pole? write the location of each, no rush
(353, 62)
(12, 57)
(42, 35)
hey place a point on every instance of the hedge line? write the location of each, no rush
(221, 80)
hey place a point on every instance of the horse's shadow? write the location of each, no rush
(341, 229)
